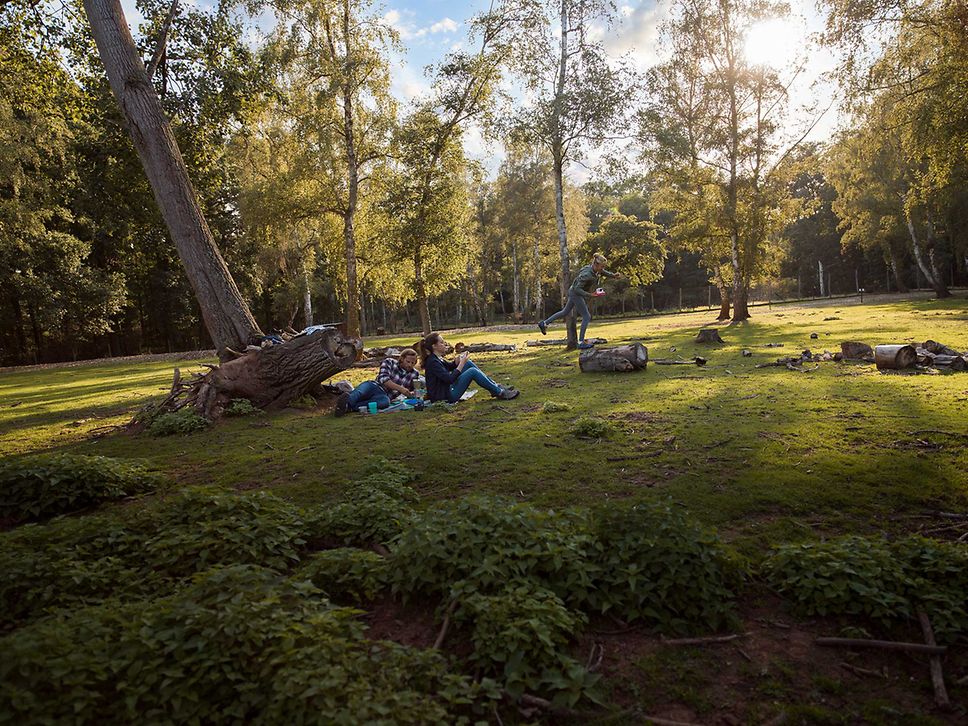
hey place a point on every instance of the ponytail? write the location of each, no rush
(425, 348)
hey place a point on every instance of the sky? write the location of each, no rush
(429, 29)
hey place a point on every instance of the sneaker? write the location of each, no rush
(543, 328)
(342, 404)
(585, 346)
(507, 394)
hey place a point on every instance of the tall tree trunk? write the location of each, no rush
(723, 299)
(538, 302)
(939, 287)
(515, 280)
(899, 281)
(423, 307)
(739, 295)
(307, 296)
(226, 315)
(558, 159)
(353, 186)
(18, 320)
(472, 288)
(934, 281)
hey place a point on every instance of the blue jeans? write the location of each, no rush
(575, 302)
(471, 373)
(366, 392)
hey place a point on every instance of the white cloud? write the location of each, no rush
(637, 32)
(406, 83)
(444, 26)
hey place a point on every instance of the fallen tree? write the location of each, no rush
(621, 358)
(270, 378)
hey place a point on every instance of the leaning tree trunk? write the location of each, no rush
(621, 358)
(269, 378)
(227, 317)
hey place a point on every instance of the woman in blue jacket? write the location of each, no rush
(447, 380)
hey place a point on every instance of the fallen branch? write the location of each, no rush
(703, 641)
(698, 360)
(446, 624)
(882, 645)
(857, 670)
(562, 341)
(937, 674)
(592, 665)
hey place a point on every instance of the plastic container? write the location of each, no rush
(371, 407)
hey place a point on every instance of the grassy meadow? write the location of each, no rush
(762, 454)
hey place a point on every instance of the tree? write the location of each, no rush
(712, 127)
(579, 95)
(226, 314)
(339, 89)
(631, 247)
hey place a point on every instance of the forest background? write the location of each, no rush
(334, 199)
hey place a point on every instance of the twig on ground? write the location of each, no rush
(446, 624)
(857, 670)
(937, 674)
(883, 645)
(592, 665)
(703, 641)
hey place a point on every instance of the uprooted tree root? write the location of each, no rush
(268, 378)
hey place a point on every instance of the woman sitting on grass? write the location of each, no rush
(395, 376)
(447, 380)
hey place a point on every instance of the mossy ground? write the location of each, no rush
(764, 455)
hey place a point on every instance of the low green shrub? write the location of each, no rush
(521, 636)
(346, 575)
(370, 518)
(183, 421)
(71, 562)
(242, 407)
(555, 407)
(885, 581)
(42, 486)
(656, 565)
(589, 427)
(240, 644)
(487, 542)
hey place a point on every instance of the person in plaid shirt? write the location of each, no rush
(397, 375)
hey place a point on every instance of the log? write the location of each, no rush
(883, 645)
(390, 351)
(852, 350)
(709, 335)
(937, 348)
(485, 348)
(954, 362)
(562, 341)
(895, 357)
(698, 360)
(937, 674)
(621, 358)
(270, 378)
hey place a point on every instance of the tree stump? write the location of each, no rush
(621, 358)
(709, 335)
(851, 350)
(270, 378)
(485, 348)
(895, 357)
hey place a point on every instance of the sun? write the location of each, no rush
(773, 42)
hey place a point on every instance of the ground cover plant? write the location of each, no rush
(774, 460)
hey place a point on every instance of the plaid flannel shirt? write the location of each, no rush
(391, 370)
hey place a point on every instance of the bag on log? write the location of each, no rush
(895, 357)
(621, 358)
(709, 335)
(856, 351)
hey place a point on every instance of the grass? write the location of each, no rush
(765, 455)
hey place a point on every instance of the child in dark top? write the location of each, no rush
(448, 380)
(585, 286)
(396, 376)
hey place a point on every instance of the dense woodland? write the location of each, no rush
(331, 200)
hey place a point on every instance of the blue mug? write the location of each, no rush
(371, 406)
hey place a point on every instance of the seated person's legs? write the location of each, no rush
(365, 393)
(472, 373)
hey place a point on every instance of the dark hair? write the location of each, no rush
(426, 347)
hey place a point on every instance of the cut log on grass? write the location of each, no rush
(562, 341)
(852, 350)
(621, 358)
(895, 357)
(939, 348)
(269, 378)
(709, 335)
(882, 645)
(485, 348)
(951, 362)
